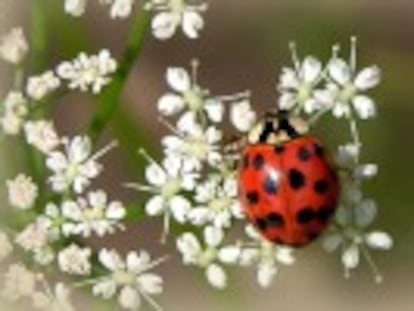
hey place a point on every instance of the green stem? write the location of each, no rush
(109, 98)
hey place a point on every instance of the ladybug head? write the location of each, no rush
(276, 128)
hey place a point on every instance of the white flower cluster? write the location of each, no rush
(338, 87)
(314, 90)
(196, 184)
(169, 15)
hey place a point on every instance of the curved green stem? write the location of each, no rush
(108, 100)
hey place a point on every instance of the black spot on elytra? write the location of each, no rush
(258, 161)
(319, 150)
(270, 185)
(324, 213)
(261, 224)
(304, 154)
(279, 149)
(246, 161)
(321, 186)
(275, 220)
(305, 215)
(296, 179)
(252, 197)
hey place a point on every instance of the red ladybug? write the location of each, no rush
(287, 187)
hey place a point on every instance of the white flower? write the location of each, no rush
(75, 7)
(32, 238)
(42, 135)
(131, 276)
(297, 85)
(266, 255)
(88, 72)
(22, 192)
(242, 115)
(188, 95)
(6, 246)
(59, 300)
(13, 46)
(208, 254)
(76, 166)
(348, 86)
(15, 110)
(379, 240)
(18, 282)
(75, 260)
(166, 183)
(38, 87)
(96, 215)
(194, 144)
(54, 222)
(173, 13)
(217, 202)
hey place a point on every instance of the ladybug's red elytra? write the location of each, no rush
(287, 187)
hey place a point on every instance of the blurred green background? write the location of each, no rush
(244, 46)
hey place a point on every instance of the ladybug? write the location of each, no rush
(287, 187)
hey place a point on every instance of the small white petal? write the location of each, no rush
(266, 273)
(192, 24)
(170, 104)
(106, 289)
(216, 276)
(311, 69)
(379, 240)
(150, 283)
(155, 206)
(284, 255)
(178, 79)
(366, 171)
(199, 216)
(180, 207)
(288, 79)
(213, 236)
(189, 246)
(365, 213)
(214, 110)
(350, 257)
(164, 25)
(155, 175)
(248, 256)
(364, 106)
(242, 116)
(111, 260)
(287, 101)
(229, 254)
(115, 210)
(332, 242)
(129, 298)
(339, 71)
(368, 78)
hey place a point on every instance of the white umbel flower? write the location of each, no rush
(348, 86)
(187, 94)
(75, 260)
(75, 7)
(174, 13)
(6, 247)
(166, 183)
(33, 238)
(22, 192)
(18, 282)
(13, 46)
(42, 135)
(131, 278)
(216, 202)
(76, 165)
(88, 72)
(194, 144)
(38, 87)
(96, 215)
(208, 254)
(297, 85)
